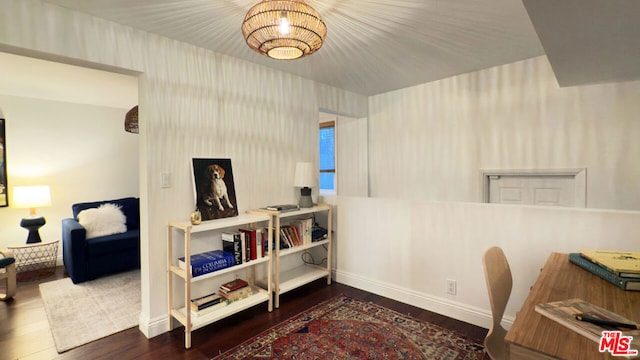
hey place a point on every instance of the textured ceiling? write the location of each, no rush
(372, 46)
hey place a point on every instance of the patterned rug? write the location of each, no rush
(345, 328)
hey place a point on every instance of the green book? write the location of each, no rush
(604, 273)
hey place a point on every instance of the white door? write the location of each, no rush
(552, 190)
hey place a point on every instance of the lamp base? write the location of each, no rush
(33, 224)
(305, 198)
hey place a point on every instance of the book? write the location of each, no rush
(206, 301)
(250, 236)
(622, 263)
(290, 235)
(231, 243)
(283, 208)
(307, 227)
(233, 285)
(259, 243)
(239, 294)
(243, 246)
(209, 309)
(564, 312)
(605, 273)
(207, 262)
(284, 239)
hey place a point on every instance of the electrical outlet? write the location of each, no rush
(451, 287)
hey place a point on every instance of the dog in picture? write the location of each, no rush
(218, 193)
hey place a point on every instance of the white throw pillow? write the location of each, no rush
(107, 219)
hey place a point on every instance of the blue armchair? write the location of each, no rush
(87, 259)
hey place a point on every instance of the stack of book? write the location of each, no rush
(620, 268)
(206, 304)
(235, 290)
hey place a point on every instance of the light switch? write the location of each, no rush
(166, 180)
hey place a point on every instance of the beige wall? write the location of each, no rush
(193, 102)
(415, 246)
(430, 141)
(81, 151)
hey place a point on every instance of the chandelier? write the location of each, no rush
(284, 29)
(131, 120)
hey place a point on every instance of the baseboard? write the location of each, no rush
(463, 312)
(154, 327)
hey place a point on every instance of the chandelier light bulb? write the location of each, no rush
(283, 24)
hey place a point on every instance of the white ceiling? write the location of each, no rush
(589, 41)
(372, 46)
(375, 46)
(40, 79)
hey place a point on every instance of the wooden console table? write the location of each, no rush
(35, 261)
(534, 336)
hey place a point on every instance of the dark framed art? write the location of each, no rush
(4, 189)
(214, 188)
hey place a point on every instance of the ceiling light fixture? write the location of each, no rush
(284, 29)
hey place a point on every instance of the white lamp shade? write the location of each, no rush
(31, 196)
(305, 175)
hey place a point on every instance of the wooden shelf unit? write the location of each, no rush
(182, 314)
(293, 278)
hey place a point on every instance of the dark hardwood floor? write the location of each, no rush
(24, 329)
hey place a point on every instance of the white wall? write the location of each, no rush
(351, 156)
(430, 141)
(197, 103)
(193, 102)
(406, 250)
(81, 151)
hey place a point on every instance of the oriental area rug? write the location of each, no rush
(345, 328)
(88, 311)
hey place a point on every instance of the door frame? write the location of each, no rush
(579, 176)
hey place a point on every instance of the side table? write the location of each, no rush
(35, 261)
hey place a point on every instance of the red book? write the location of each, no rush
(250, 234)
(233, 285)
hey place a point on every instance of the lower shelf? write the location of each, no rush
(301, 275)
(197, 322)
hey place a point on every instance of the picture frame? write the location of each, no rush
(214, 189)
(4, 188)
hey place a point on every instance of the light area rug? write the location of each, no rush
(81, 313)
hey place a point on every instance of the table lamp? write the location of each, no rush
(305, 178)
(32, 197)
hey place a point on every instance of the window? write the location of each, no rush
(327, 156)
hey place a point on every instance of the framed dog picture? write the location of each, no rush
(214, 189)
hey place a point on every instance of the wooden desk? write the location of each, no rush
(534, 336)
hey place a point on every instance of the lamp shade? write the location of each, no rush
(131, 120)
(305, 175)
(31, 197)
(284, 29)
